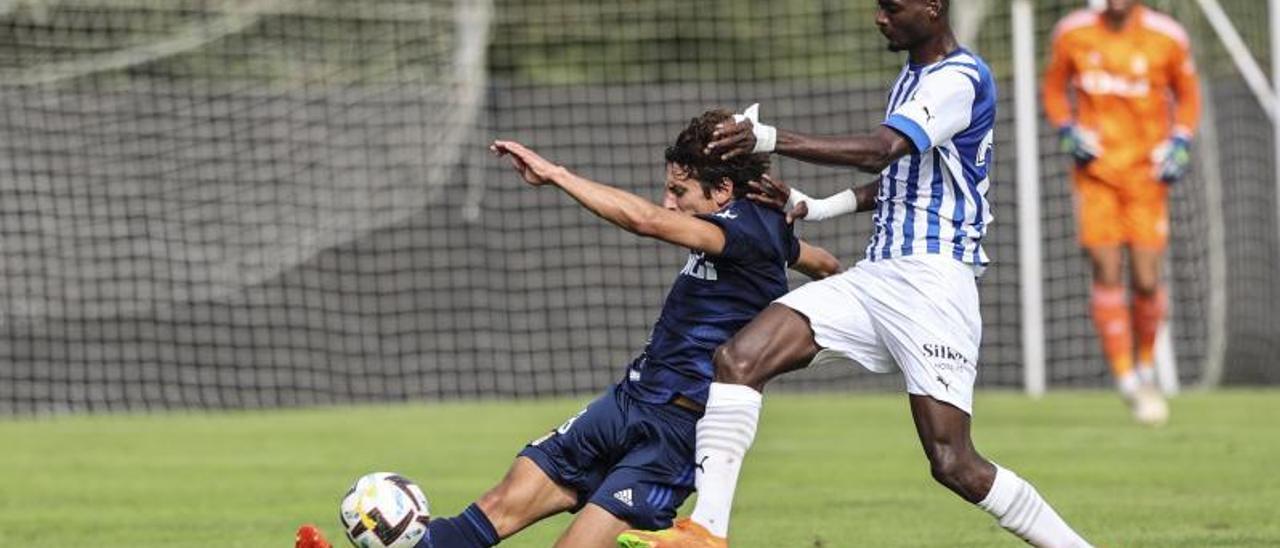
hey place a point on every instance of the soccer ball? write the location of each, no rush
(385, 510)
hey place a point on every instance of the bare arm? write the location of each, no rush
(815, 262)
(867, 195)
(777, 194)
(624, 209)
(870, 152)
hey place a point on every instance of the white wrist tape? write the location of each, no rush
(766, 135)
(831, 206)
(796, 197)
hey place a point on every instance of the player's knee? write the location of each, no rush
(960, 471)
(497, 506)
(734, 366)
(1145, 287)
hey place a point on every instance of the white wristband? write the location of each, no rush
(766, 137)
(831, 206)
(796, 197)
(765, 134)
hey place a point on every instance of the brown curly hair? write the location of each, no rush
(688, 155)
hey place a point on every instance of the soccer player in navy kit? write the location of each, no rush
(626, 460)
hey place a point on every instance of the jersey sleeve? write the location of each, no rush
(940, 108)
(737, 235)
(792, 243)
(750, 237)
(1057, 76)
(1186, 90)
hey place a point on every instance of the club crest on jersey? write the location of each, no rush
(699, 267)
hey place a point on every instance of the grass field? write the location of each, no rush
(826, 470)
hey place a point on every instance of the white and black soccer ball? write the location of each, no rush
(385, 510)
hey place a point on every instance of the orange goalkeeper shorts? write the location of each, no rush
(1133, 213)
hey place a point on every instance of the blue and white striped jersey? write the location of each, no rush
(934, 200)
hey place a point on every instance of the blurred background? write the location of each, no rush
(264, 203)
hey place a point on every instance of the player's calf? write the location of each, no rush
(963, 472)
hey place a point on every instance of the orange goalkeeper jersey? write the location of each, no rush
(1133, 86)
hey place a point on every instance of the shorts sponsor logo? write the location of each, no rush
(945, 357)
(944, 352)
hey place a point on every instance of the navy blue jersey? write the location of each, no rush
(712, 298)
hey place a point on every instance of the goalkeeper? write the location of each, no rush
(1124, 64)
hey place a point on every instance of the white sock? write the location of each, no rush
(1022, 511)
(1146, 374)
(1128, 384)
(725, 433)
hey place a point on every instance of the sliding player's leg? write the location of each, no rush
(593, 527)
(944, 431)
(525, 496)
(553, 474)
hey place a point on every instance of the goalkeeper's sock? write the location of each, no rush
(470, 529)
(1111, 319)
(1146, 373)
(725, 433)
(1022, 511)
(1148, 312)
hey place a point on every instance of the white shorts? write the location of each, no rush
(918, 313)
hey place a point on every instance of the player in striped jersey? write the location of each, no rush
(1129, 142)
(910, 305)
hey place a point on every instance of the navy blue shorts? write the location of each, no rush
(632, 458)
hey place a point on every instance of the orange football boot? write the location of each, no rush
(309, 536)
(684, 534)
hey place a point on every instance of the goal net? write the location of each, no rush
(248, 203)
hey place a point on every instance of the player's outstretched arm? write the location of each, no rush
(871, 152)
(624, 209)
(816, 262)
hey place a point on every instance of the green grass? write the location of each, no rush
(826, 470)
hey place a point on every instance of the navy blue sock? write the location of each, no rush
(470, 529)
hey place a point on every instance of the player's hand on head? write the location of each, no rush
(744, 135)
(769, 192)
(800, 211)
(731, 139)
(535, 169)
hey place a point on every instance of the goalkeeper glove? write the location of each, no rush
(1080, 143)
(1172, 158)
(765, 134)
